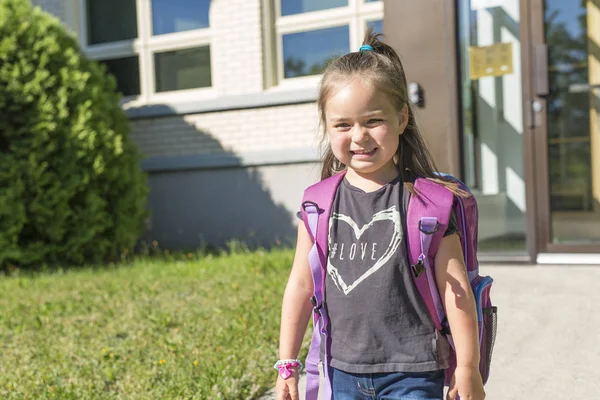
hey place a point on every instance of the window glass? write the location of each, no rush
(127, 74)
(289, 7)
(376, 25)
(182, 69)
(573, 120)
(308, 53)
(492, 128)
(104, 25)
(170, 16)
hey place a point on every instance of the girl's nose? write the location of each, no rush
(360, 134)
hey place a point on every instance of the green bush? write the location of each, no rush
(71, 188)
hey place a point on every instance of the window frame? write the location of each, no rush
(355, 15)
(144, 47)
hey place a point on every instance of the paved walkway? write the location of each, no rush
(548, 344)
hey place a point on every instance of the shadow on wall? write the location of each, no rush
(201, 195)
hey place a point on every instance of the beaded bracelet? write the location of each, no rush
(285, 367)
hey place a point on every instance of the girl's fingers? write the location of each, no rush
(452, 394)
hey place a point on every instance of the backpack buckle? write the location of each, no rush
(309, 203)
(316, 308)
(418, 268)
(437, 226)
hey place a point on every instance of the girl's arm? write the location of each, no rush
(456, 294)
(295, 312)
(296, 307)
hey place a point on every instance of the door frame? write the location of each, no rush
(535, 88)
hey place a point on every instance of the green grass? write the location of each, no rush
(197, 328)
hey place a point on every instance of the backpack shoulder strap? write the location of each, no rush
(316, 209)
(319, 198)
(427, 219)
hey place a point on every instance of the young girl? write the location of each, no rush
(383, 343)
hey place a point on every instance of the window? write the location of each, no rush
(169, 16)
(150, 46)
(306, 53)
(182, 69)
(126, 72)
(289, 7)
(106, 26)
(310, 33)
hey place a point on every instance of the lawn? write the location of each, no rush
(196, 327)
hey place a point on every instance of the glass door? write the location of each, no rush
(492, 123)
(570, 130)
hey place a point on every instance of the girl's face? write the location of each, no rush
(364, 130)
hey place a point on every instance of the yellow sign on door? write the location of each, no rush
(494, 60)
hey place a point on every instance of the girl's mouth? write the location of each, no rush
(363, 153)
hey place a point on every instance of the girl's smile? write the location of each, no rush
(363, 154)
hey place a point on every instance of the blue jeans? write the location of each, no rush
(395, 385)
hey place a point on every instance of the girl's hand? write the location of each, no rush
(287, 389)
(467, 384)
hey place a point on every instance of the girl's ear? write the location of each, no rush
(403, 118)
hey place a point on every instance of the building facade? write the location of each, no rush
(221, 96)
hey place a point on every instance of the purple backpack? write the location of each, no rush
(426, 221)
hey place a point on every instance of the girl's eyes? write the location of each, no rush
(344, 125)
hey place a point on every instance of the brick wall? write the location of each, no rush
(54, 7)
(241, 131)
(236, 46)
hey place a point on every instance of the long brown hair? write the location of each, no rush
(382, 68)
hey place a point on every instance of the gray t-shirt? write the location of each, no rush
(378, 321)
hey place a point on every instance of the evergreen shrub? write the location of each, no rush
(71, 187)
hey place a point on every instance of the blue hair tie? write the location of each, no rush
(365, 47)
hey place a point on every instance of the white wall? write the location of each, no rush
(236, 46)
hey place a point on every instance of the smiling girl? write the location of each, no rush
(382, 341)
